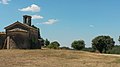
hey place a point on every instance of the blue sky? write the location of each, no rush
(66, 20)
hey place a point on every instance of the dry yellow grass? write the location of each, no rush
(55, 58)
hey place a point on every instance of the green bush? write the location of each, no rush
(66, 48)
(54, 45)
(46, 42)
(88, 49)
(114, 50)
(78, 44)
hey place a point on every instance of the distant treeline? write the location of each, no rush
(102, 44)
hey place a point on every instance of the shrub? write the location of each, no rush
(115, 50)
(88, 49)
(54, 45)
(46, 42)
(78, 45)
(66, 48)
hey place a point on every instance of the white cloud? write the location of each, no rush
(50, 21)
(32, 8)
(4, 1)
(91, 26)
(37, 17)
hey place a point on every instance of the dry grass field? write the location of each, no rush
(56, 58)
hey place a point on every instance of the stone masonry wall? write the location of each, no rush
(21, 39)
(2, 39)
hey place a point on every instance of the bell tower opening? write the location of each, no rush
(27, 20)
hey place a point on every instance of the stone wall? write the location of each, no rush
(21, 39)
(34, 39)
(2, 39)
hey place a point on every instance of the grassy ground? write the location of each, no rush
(56, 58)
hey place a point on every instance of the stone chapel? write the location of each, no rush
(21, 35)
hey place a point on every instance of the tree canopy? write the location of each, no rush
(54, 45)
(78, 44)
(46, 42)
(103, 43)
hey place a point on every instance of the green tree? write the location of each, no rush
(39, 37)
(103, 43)
(78, 45)
(46, 42)
(54, 45)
